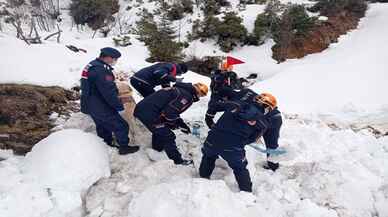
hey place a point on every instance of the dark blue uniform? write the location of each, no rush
(160, 113)
(99, 99)
(221, 89)
(228, 94)
(145, 80)
(242, 123)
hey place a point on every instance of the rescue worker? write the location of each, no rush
(220, 86)
(160, 113)
(241, 123)
(99, 99)
(228, 94)
(145, 80)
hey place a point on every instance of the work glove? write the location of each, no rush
(184, 127)
(209, 121)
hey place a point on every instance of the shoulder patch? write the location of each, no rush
(109, 78)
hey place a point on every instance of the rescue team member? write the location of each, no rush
(160, 113)
(99, 99)
(241, 123)
(145, 80)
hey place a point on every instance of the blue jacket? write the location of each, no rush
(242, 123)
(245, 95)
(99, 94)
(166, 104)
(158, 74)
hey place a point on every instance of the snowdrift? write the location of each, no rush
(53, 176)
(68, 160)
(192, 198)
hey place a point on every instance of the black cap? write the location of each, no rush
(111, 52)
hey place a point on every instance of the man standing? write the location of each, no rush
(160, 113)
(99, 99)
(145, 80)
(242, 123)
(222, 83)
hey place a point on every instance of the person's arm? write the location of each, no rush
(216, 107)
(107, 88)
(222, 106)
(164, 74)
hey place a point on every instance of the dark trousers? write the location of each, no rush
(143, 88)
(235, 159)
(163, 138)
(114, 124)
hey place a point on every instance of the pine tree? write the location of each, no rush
(159, 37)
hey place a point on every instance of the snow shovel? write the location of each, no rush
(273, 152)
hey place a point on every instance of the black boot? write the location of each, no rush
(185, 162)
(271, 166)
(123, 150)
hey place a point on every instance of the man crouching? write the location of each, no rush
(160, 113)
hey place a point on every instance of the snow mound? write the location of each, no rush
(68, 160)
(192, 198)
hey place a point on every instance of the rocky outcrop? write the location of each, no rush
(318, 39)
(25, 113)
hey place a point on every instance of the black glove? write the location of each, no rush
(271, 166)
(209, 121)
(184, 128)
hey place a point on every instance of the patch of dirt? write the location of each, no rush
(318, 39)
(25, 113)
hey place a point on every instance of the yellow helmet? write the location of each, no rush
(201, 89)
(267, 99)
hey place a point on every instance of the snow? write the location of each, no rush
(192, 198)
(49, 181)
(81, 162)
(327, 171)
(350, 72)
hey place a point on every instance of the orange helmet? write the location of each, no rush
(226, 67)
(267, 99)
(201, 89)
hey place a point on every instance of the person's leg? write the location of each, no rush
(103, 132)
(120, 129)
(237, 161)
(166, 137)
(156, 145)
(141, 87)
(208, 161)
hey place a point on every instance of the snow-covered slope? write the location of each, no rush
(353, 71)
(327, 172)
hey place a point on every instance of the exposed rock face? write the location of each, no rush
(318, 39)
(25, 112)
